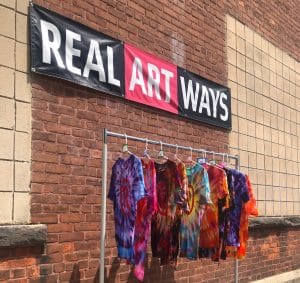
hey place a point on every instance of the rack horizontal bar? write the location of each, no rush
(114, 134)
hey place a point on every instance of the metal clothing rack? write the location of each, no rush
(107, 134)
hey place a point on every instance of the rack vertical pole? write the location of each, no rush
(103, 206)
(236, 261)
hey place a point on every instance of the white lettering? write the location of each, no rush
(71, 51)
(215, 100)
(89, 65)
(110, 67)
(51, 45)
(189, 94)
(168, 75)
(153, 80)
(137, 76)
(204, 103)
(224, 107)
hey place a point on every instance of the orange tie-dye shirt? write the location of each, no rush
(209, 232)
(249, 208)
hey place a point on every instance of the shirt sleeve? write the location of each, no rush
(205, 185)
(138, 185)
(153, 172)
(244, 192)
(112, 187)
(250, 206)
(181, 192)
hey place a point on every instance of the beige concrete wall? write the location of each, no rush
(15, 112)
(265, 89)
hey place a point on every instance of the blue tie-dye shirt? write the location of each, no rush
(198, 195)
(126, 189)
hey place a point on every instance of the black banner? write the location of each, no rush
(203, 100)
(65, 49)
(68, 50)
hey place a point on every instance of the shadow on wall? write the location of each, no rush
(75, 276)
(153, 273)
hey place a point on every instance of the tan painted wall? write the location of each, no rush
(265, 88)
(15, 112)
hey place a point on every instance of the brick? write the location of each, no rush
(85, 245)
(6, 175)
(69, 218)
(7, 82)
(22, 146)
(44, 136)
(45, 198)
(87, 226)
(55, 258)
(22, 6)
(21, 207)
(6, 144)
(17, 273)
(4, 275)
(7, 22)
(58, 169)
(59, 109)
(45, 269)
(22, 28)
(8, 3)
(57, 128)
(92, 235)
(87, 115)
(7, 113)
(22, 176)
(68, 237)
(6, 199)
(61, 227)
(23, 117)
(45, 157)
(22, 57)
(44, 116)
(230, 23)
(65, 276)
(59, 267)
(44, 218)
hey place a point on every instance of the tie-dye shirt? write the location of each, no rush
(241, 196)
(209, 232)
(198, 195)
(182, 193)
(166, 222)
(146, 207)
(126, 189)
(249, 208)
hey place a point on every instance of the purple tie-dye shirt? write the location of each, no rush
(241, 196)
(126, 189)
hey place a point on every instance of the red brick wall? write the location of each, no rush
(270, 252)
(67, 124)
(20, 264)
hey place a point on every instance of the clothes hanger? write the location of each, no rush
(203, 159)
(190, 158)
(212, 161)
(227, 164)
(216, 164)
(161, 155)
(175, 157)
(125, 147)
(222, 164)
(146, 157)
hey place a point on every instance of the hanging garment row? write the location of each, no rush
(191, 210)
